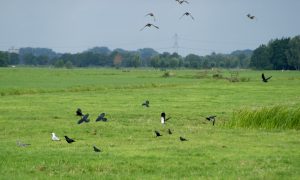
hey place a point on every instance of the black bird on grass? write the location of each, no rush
(211, 118)
(69, 140)
(96, 149)
(79, 112)
(163, 118)
(149, 25)
(169, 131)
(146, 103)
(101, 117)
(157, 134)
(84, 119)
(264, 79)
(182, 139)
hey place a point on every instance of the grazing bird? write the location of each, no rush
(169, 131)
(101, 117)
(69, 140)
(264, 79)
(19, 143)
(146, 103)
(79, 112)
(211, 118)
(84, 119)
(157, 134)
(187, 14)
(163, 118)
(250, 16)
(96, 149)
(54, 137)
(152, 15)
(149, 25)
(182, 139)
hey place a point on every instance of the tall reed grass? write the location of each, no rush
(276, 117)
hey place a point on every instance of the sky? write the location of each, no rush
(221, 26)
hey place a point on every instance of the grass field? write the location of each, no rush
(38, 101)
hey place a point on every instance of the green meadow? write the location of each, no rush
(247, 141)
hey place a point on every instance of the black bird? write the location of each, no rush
(146, 103)
(152, 15)
(182, 139)
(211, 118)
(182, 1)
(96, 149)
(169, 131)
(250, 16)
(187, 14)
(149, 25)
(101, 117)
(69, 140)
(264, 79)
(157, 134)
(84, 119)
(163, 118)
(79, 112)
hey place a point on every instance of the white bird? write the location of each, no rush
(54, 137)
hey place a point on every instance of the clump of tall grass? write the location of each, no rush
(276, 117)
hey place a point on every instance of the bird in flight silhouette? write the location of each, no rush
(152, 15)
(101, 117)
(149, 25)
(251, 16)
(69, 140)
(187, 14)
(84, 119)
(182, 1)
(146, 103)
(264, 79)
(157, 134)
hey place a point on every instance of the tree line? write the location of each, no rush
(277, 54)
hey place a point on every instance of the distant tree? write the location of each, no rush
(117, 60)
(278, 48)
(261, 58)
(3, 59)
(59, 64)
(69, 65)
(293, 53)
(30, 59)
(155, 62)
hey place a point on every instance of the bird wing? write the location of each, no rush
(155, 26)
(269, 78)
(80, 121)
(192, 17)
(143, 28)
(182, 16)
(263, 76)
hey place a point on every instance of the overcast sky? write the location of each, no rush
(77, 25)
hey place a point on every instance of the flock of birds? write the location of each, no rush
(180, 2)
(101, 117)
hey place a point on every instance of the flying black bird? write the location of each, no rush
(101, 117)
(157, 134)
(146, 103)
(211, 118)
(152, 15)
(187, 14)
(149, 25)
(19, 143)
(69, 140)
(163, 118)
(250, 16)
(182, 139)
(169, 131)
(182, 1)
(79, 112)
(264, 79)
(96, 149)
(84, 119)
